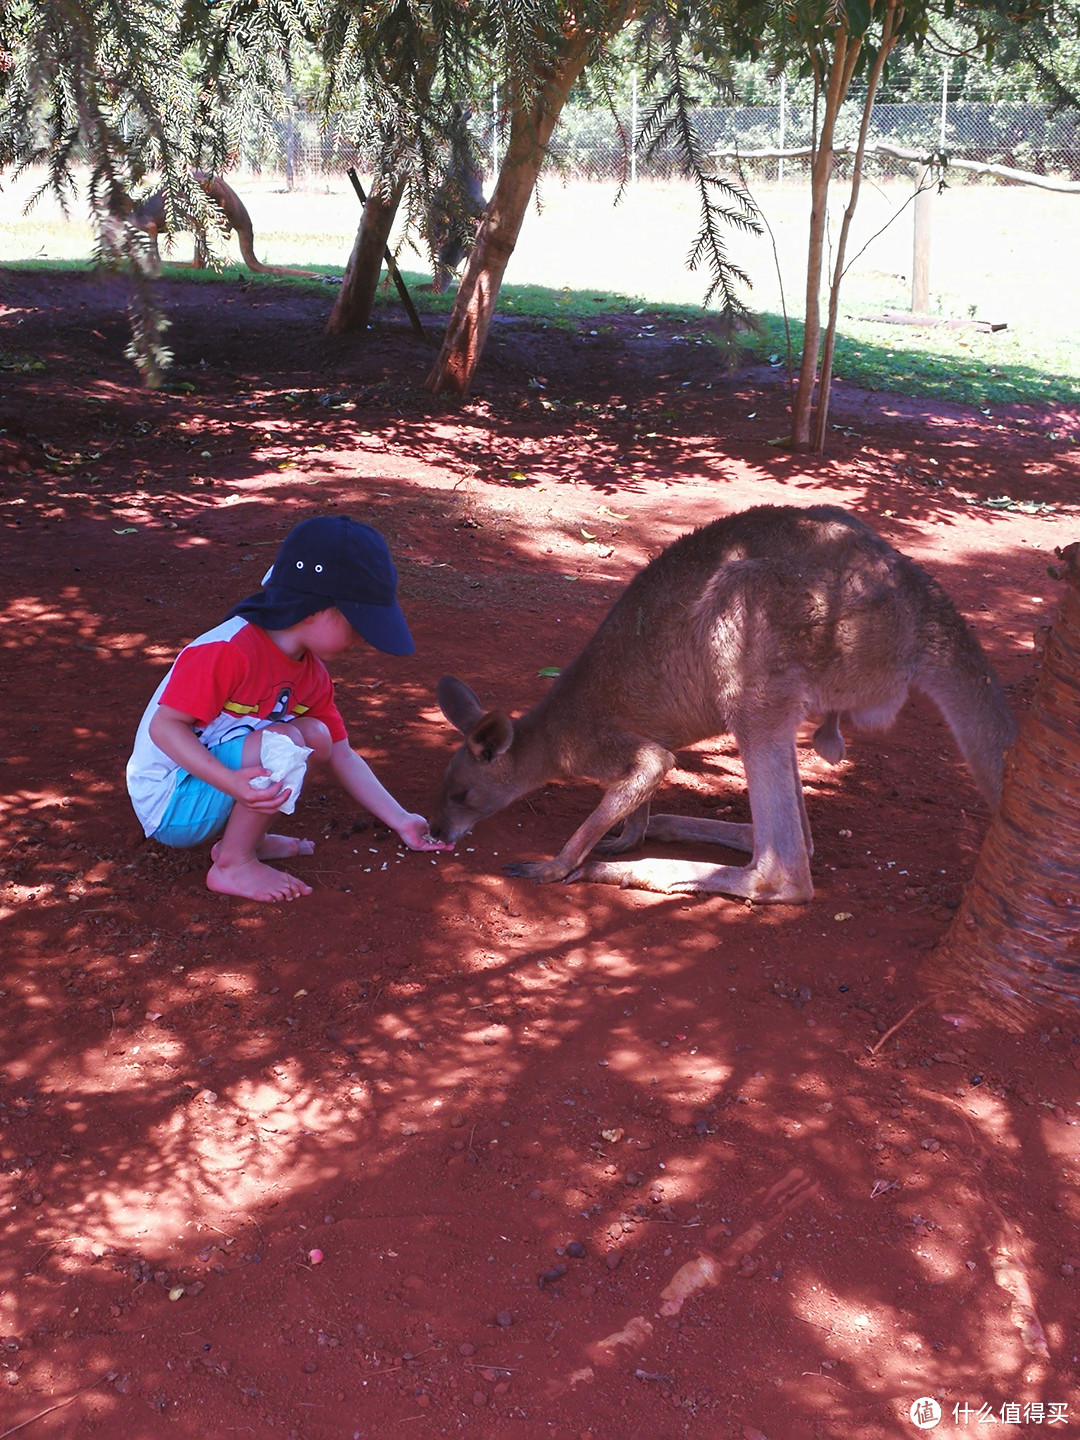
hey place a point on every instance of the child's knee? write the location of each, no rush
(316, 736)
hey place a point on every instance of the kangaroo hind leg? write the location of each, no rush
(673, 829)
(779, 869)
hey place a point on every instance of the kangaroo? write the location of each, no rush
(149, 215)
(748, 626)
(456, 206)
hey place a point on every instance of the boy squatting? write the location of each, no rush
(199, 766)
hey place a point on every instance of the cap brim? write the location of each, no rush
(276, 608)
(381, 625)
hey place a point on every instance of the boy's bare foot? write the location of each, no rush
(276, 847)
(253, 880)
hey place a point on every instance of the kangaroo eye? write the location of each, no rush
(460, 797)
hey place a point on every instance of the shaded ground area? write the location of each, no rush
(426, 1153)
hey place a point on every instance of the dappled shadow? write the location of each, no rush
(323, 1156)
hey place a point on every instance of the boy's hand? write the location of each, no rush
(266, 800)
(417, 834)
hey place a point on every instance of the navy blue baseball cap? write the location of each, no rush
(332, 560)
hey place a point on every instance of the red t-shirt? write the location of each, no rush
(246, 676)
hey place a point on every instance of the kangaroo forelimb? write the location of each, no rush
(622, 801)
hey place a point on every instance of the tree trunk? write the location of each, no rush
(825, 373)
(530, 131)
(845, 53)
(1015, 941)
(352, 308)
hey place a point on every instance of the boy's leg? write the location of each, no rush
(238, 867)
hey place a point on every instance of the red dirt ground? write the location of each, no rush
(448, 1082)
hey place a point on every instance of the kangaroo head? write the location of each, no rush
(481, 779)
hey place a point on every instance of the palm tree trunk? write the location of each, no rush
(530, 131)
(352, 308)
(1015, 939)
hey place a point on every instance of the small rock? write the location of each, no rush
(613, 1259)
(309, 1367)
(479, 1398)
(1068, 1269)
(465, 1348)
(504, 1318)
(576, 1249)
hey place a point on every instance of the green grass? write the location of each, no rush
(932, 363)
(967, 366)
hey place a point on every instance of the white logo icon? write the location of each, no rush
(925, 1412)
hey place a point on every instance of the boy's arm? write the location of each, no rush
(358, 778)
(171, 731)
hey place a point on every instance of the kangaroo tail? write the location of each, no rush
(245, 234)
(956, 675)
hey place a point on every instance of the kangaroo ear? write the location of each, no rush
(491, 736)
(458, 703)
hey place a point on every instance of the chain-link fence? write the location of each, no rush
(594, 144)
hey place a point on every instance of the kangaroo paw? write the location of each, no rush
(542, 872)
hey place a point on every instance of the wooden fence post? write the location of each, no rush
(920, 263)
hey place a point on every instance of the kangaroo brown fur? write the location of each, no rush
(749, 626)
(455, 207)
(149, 215)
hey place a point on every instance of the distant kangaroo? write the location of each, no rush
(456, 206)
(748, 626)
(149, 215)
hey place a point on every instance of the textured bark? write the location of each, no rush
(352, 308)
(1015, 941)
(530, 131)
